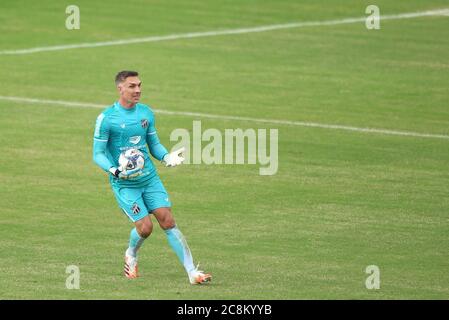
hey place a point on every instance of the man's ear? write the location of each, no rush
(119, 88)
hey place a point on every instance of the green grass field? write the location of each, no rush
(340, 201)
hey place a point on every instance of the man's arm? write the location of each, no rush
(99, 155)
(101, 137)
(158, 151)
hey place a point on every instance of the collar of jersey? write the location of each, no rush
(120, 107)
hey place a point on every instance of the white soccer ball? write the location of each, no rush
(131, 159)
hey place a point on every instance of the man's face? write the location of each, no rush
(130, 89)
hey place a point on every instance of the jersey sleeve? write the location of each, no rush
(157, 150)
(101, 138)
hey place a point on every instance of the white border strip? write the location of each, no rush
(438, 12)
(236, 118)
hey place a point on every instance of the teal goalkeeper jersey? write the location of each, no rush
(118, 129)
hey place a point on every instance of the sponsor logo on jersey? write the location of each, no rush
(135, 208)
(144, 123)
(141, 146)
(135, 139)
(123, 126)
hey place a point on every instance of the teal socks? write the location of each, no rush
(176, 240)
(135, 241)
(179, 244)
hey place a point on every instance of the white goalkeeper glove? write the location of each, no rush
(174, 158)
(118, 173)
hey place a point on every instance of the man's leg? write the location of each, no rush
(131, 202)
(139, 233)
(178, 243)
(142, 230)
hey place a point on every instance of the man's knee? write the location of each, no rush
(165, 218)
(168, 223)
(145, 228)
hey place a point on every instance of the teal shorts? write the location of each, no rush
(137, 203)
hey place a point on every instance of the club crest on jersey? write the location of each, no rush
(144, 123)
(135, 208)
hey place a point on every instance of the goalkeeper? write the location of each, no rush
(140, 193)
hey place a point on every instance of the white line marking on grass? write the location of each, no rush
(439, 12)
(237, 118)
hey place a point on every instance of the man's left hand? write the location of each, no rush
(174, 158)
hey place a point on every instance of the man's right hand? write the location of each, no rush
(118, 173)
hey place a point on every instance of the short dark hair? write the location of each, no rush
(122, 75)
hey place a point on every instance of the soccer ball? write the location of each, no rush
(131, 159)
